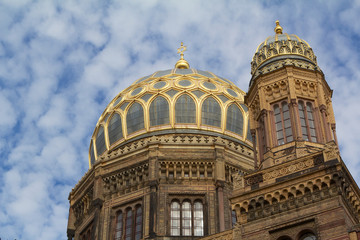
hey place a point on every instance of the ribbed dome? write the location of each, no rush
(172, 101)
(280, 47)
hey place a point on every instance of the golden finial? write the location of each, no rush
(278, 29)
(182, 63)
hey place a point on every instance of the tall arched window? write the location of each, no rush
(198, 219)
(175, 219)
(92, 155)
(159, 112)
(186, 218)
(115, 128)
(283, 123)
(185, 110)
(128, 224)
(211, 112)
(307, 121)
(138, 223)
(234, 119)
(100, 141)
(233, 217)
(119, 226)
(135, 118)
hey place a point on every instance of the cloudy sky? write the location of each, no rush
(61, 62)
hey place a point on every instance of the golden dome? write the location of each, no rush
(172, 101)
(282, 46)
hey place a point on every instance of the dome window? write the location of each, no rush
(117, 101)
(159, 112)
(211, 112)
(172, 92)
(135, 118)
(234, 119)
(159, 85)
(185, 110)
(136, 91)
(209, 85)
(115, 128)
(92, 155)
(231, 92)
(100, 141)
(185, 83)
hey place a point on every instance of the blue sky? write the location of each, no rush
(61, 63)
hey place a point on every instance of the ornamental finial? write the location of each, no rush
(182, 63)
(278, 29)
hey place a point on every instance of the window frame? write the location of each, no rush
(124, 210)
(283, 121)
(309, 136)
(192, 201)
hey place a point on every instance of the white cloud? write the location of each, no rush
(62, 62)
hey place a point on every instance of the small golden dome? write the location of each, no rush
(182, 63)
(278, 29)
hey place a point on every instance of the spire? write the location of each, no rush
(278, 29)
(182, 63)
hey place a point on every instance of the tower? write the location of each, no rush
(301, 188)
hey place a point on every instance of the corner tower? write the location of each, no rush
(290, 101)
(301, 188)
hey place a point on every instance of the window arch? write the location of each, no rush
(128, 224)
(211, 112)
(198, 219)
(119, 226)
(138, 222)
(115, 128)
(100, 141)
(185, 110)
(283, 123)
(159, 111)
(307, 121)
(234, 119)
(135, 118)
(187, 218)
(92, 154)
(175, 219)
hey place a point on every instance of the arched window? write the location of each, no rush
(135, 118)
(115, 128)
(234, 119)
(129, 224)
(100, 141)
(119, 226)
(185, 110)
(307, 121)
(92, 155)
(308, 236)
(159, 112)
(186, 218)
(233, 217)
(211, 112)
(282, 123)
(175, 219)
(198, 219)
(138, 223)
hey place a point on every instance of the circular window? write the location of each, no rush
(136, 91)
(117, 101)
(159, 85)
(231, 92)
(209, 85)
(185, 83)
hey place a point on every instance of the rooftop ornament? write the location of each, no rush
(182, 63)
